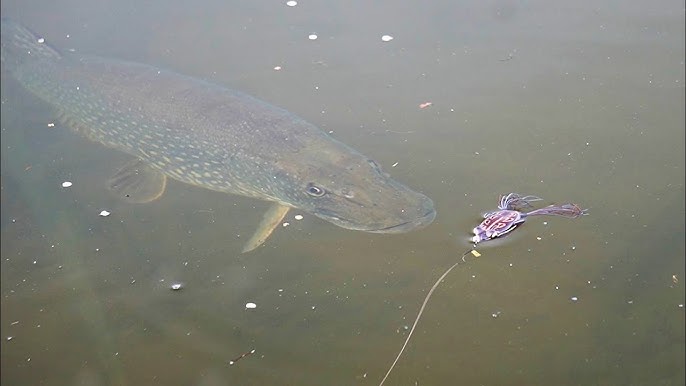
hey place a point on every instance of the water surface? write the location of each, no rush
(580, 102)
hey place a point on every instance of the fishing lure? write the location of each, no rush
(496, 224)
(511, 215)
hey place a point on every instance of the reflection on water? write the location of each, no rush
(588, 108)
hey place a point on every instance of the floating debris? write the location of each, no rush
(475, 253)
(312, 37)
(176, 286)
(574, 298)
(67, 184)
(51, 124)
(285, 224)
(386, 38)
(291, 3)
(675, 279)
(495, 314)
(425, 105)
(250, 305)
(277, 68)
(298, 217)
(41, 40)
(104, 213)
(394, 165)
(245, 354)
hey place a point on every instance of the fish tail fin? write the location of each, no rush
(20, 45)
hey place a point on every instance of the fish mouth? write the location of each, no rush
(416, 224)
(403, 227)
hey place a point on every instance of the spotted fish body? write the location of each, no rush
(207, 135)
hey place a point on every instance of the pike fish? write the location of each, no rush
(204, 134)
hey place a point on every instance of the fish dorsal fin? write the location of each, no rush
(271, 219)
(137, 182)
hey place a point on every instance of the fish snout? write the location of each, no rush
(412, 217)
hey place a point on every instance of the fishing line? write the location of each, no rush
(496, 224)
(421, 309)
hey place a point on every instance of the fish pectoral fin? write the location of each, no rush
(137, 182)
(272, 218)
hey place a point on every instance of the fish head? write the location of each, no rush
(346, 188)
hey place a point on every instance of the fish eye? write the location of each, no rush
(314, 190)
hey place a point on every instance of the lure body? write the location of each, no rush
(511, 214)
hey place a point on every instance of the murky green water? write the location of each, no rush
(580, 102)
